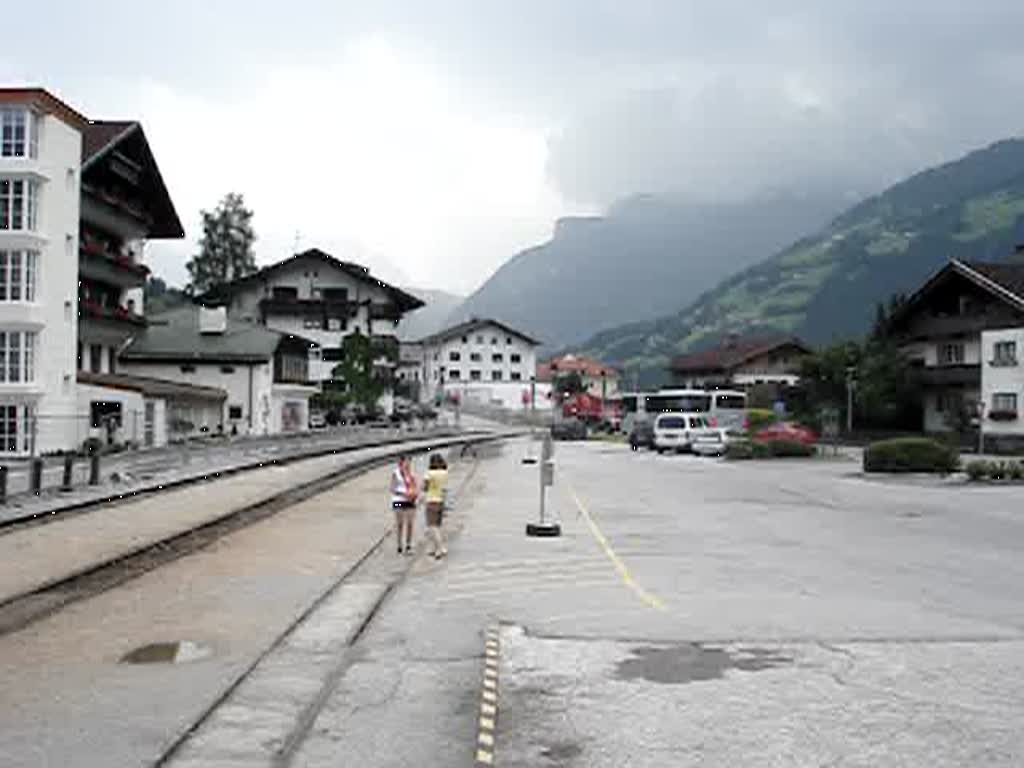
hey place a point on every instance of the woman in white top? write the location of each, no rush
(403, 501)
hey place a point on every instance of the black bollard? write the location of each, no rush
(36, 476)
(69, 469)
(3, 485)
(94, 468)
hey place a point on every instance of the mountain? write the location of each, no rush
(644, 258)
(429, 319)
(825, 287)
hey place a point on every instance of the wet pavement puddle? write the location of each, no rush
(179, 652)
(691, 663)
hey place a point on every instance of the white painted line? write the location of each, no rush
(485, 757)
(487, 723)
(486, 739)
(491, 685)
(488, 709)
(489, 696)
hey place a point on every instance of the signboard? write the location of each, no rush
(830, 423)
(547, 473)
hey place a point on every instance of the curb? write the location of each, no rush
(485, 750)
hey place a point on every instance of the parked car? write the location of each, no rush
(317, 420)
(716, 442)
(788, 431)
(569, 429)
(679, 431)
(642, 435)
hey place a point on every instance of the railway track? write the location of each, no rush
(21, 609)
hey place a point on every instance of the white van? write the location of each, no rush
(679, 431)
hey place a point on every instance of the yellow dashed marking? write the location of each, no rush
(485, 757)
(488, 709)
(487, 723)
(646, 597)
(486, 739)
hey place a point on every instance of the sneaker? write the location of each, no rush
(408, 549)
(438, 555)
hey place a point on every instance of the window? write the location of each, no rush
(336, 324)
(951, 402)
(14, 429)
(312, 322)
(95, 358)
(234, 411)
(465, 339)
(333, 355)
(731, 402)
(19, 132)
(454, 356)
(475, 376)
(18, 204)
(494, 340)
(508, 339)
(479, 339)
(227, 369)
(495, 375)
(516, 376)
(515, 358)
(454, 375)
(17, 357)
(497, 358)
(285, 292)
(1004, 402)
(1004, 353)
(334, 294)
(112, 360)
(474, 357)
(951, 354)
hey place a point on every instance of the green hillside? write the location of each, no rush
(825, 287)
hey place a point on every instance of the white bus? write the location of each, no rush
(725, 408)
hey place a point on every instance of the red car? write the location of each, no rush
(786, 430)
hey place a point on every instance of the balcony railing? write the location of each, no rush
(96, 311)
(281, 305)
(385, 312)
(950, 375)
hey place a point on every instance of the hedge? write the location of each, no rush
(759, 418)
(774, 449)
(979, 469)
(911, 454)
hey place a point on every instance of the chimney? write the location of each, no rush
(213, 320)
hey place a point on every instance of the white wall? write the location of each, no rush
(132, 411)
(236, 384)
(437, 356)
(1002, 379)
(59, 160)
(291, 402)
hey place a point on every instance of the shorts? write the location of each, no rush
(403, 505)
(435, 511)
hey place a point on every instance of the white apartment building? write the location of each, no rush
(40, 161)
(1002, 388)
(318, 297)
(482, 361)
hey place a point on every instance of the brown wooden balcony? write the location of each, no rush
(950, 375)
(283, 305)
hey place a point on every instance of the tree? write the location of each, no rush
(225, 250)
(363, 385)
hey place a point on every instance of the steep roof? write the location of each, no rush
(472, 325)
(406, 301)
(101, 137)
(44, 101)
(733, 353)
(586, 366)
(152, 387)
(1003, 281)
(174, 336)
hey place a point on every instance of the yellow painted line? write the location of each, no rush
(485, 757)
(486, 739)
(488, 709)
(646, 597)
(487, 723)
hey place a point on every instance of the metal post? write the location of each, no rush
(3, 485)
(849, 399)
(94, 468)
(981, 427)
(36, 476)
(69, 468)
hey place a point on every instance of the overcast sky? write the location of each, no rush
(431, 140)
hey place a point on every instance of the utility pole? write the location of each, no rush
(850, 371)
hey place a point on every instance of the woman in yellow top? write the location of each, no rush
(435, 487)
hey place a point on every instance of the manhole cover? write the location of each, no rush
(180, 652)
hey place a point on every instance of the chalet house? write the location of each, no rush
(963, 327)
(741, 362)
(599, 380)
(323, 299)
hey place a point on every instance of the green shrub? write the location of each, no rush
(759, 418)
(910, 454)
(1016, 470)
(999, 470)
(789, 449)
(739, 450)
(977, 469)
